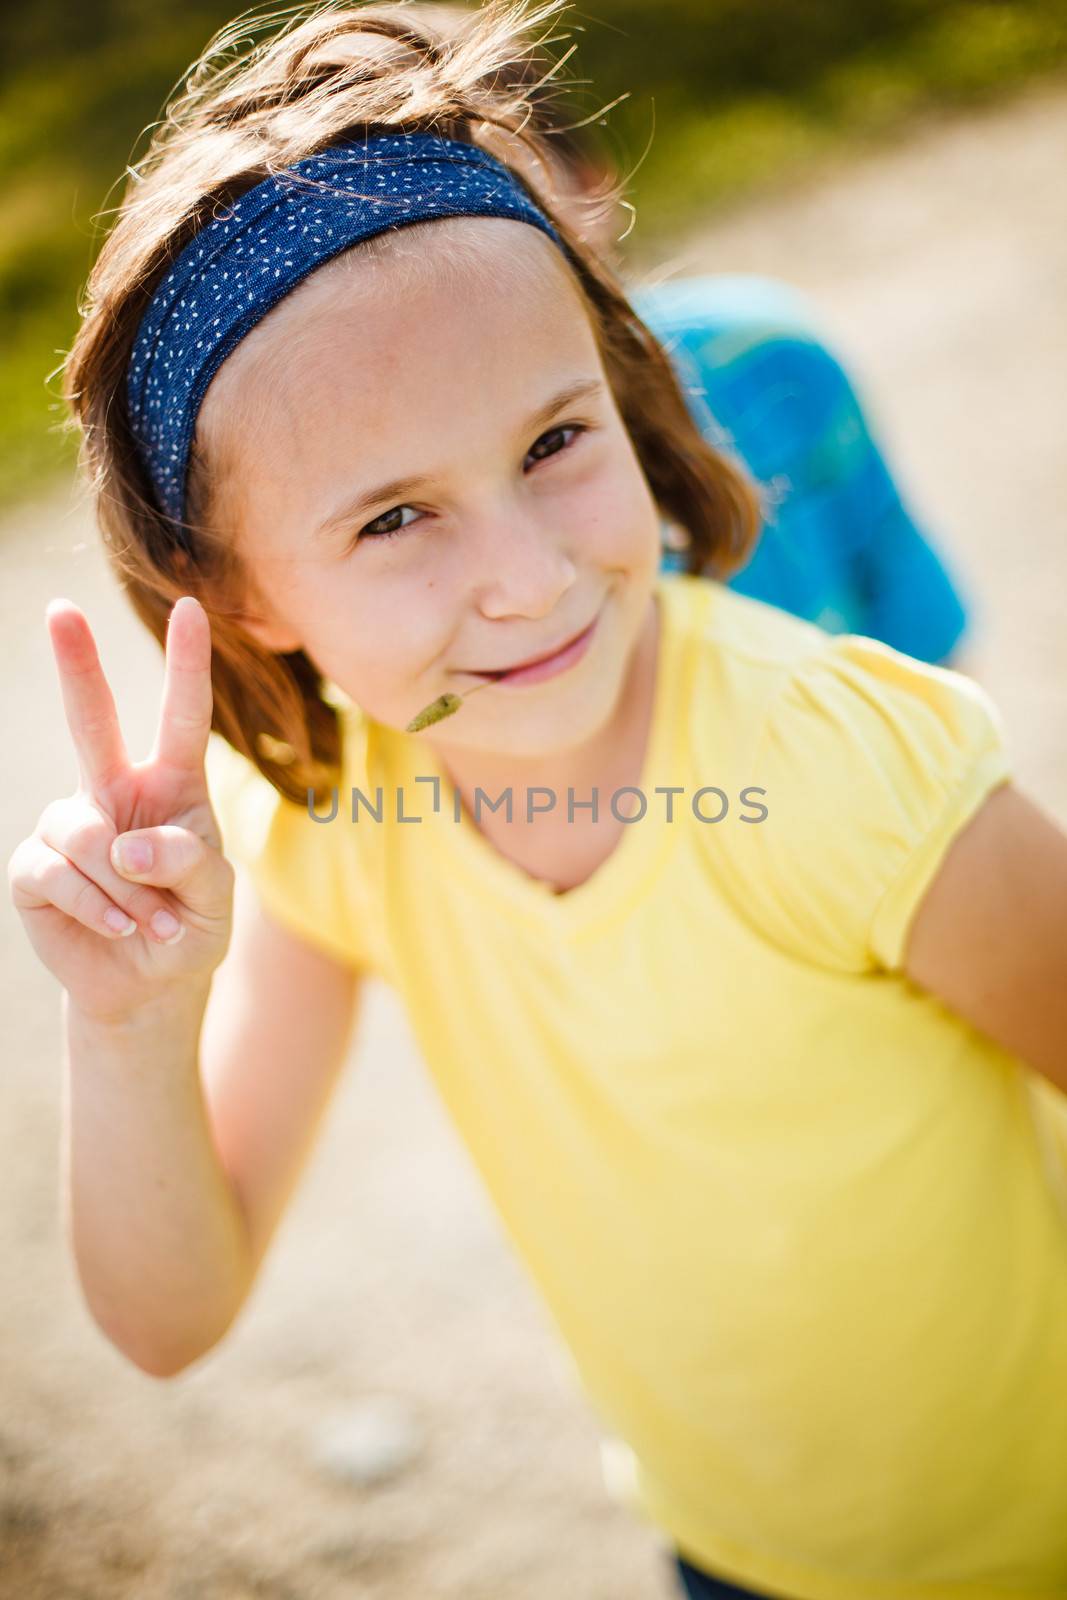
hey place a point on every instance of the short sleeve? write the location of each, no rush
(872, 763)
(306, 873)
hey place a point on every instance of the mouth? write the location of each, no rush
(546, 664)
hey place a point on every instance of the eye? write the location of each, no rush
(554, 432)
(375, 532)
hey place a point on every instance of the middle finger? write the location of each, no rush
(185, 711)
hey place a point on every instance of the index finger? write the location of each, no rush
(185, 714)
(87, 698)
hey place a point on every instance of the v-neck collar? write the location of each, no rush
(393, 759)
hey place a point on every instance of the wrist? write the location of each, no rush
(174, 1011)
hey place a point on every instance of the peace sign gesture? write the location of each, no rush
(122, 886)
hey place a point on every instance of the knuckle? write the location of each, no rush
(53, 816)
(20, 859)
(95, 724)
(83, 900)
(42, 872)
(223, 873)
(182, 849)
(142, 902)
(37, 873)
(86, 836)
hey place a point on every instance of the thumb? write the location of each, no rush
(170, 857)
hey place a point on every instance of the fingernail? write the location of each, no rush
(166, 927)
(133, 855)
(118, 921)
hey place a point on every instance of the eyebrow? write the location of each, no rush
(397, 488)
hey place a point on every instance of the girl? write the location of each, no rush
(735, 954)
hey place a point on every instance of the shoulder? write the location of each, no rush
(901, 731)
(871, 762)
(741, 646)
(784, 688)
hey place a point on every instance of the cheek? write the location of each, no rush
(616, 513)
(350, 624)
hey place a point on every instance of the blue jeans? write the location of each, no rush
(702, 1586)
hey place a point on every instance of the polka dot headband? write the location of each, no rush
(247, 259)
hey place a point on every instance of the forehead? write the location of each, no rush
(404, 357)
(468, 294)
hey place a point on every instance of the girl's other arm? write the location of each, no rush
(990, 934)
(186, 1131)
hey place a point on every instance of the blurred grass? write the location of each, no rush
(705, 156)
(742, 95)
(69, 114)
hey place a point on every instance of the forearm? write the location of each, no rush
(155, 1228)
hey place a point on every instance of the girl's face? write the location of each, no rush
(428, 480)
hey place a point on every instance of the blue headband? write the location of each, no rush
(243, 262)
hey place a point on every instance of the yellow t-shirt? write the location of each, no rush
(803, 1230)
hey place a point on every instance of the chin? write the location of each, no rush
(542, 731)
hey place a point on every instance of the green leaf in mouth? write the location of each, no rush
(442, 707)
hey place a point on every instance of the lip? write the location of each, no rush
(546, 666)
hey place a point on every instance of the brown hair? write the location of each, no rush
(334, 70)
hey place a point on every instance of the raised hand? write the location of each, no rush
(122, 886)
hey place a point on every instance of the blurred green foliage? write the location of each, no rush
(724, 97)
(746, 92)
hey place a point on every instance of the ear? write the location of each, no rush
(673, 535)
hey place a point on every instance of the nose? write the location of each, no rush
(520, 566)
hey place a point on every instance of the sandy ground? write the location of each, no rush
(941, 268)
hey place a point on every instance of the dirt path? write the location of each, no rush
(942, 269)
